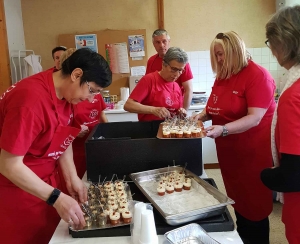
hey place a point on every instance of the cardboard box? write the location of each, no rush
(131, 147)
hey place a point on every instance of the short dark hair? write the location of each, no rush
(60, 48)
(95, 68)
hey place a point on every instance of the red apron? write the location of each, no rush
(24, 217)
(161, 97)
(88, 114)
(242, 156)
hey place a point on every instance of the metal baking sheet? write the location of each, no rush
(189, 234)
(182, 217)
(95, 226)
(160, 133)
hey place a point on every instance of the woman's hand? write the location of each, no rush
(77, 189)
(182, 112)
(69, 210)
(161, 112)
(84, 131)
(214, 131)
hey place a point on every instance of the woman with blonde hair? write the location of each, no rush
(283, 33)
(241, 107)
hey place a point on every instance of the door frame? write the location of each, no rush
(5, 76)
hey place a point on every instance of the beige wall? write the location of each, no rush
(192, 24)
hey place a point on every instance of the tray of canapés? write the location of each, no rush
(109, 205)
(179, 195)
(181, 128)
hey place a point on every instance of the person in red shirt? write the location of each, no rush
(36, 136)
(241, 107)
(161, 43)
(87, 114)
(56, 53)
(283, 33)
(157, 95)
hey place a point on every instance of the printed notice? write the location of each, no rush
(136, 46)
(117, 57)
(138, 70)
(86, 41)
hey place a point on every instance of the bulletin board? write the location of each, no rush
(108, 37)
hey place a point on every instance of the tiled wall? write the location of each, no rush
(204, 77)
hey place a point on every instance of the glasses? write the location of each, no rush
(174, 69)
(267, 43)
(221, 36)
(91, 91)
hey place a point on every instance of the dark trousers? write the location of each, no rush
(253, 232)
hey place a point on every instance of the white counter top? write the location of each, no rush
(121, 111)
(61, 235)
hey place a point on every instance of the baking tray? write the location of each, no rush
(142, 178)
(189, 234)
(160, 132)
(218, 223)
(95, 226)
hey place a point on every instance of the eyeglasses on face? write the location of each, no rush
(267, 43)
(221, 36)
(174, 69)
(91, 91)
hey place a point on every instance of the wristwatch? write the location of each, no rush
(225, 131)
(53, 197)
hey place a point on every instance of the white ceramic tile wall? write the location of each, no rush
(204, 77)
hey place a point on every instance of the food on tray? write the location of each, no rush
(102, 219)
(88, 221)
(161, 190)
(169, 188)
(182, 128)
(106, 203)
(166, 134)
(114, 218)
(127, 216)
(187, 185)
(178, 186)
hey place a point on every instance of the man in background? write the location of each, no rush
(56, 53)
(161, 43)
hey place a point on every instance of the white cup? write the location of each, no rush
(148, 230)
(137, 220)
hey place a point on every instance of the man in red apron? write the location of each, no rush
(34, 138)
(241, 106)
(157, 95)
(161, 43)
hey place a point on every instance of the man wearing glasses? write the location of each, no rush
(161, 42)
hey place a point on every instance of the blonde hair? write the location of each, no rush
(65, 55)
(236, 56)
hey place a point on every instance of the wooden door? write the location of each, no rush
(5, 78)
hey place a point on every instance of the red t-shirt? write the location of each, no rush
(230, 99)
(88, 113)
(287, 127)
(155, 64)
(27, 116)
(153, 90)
